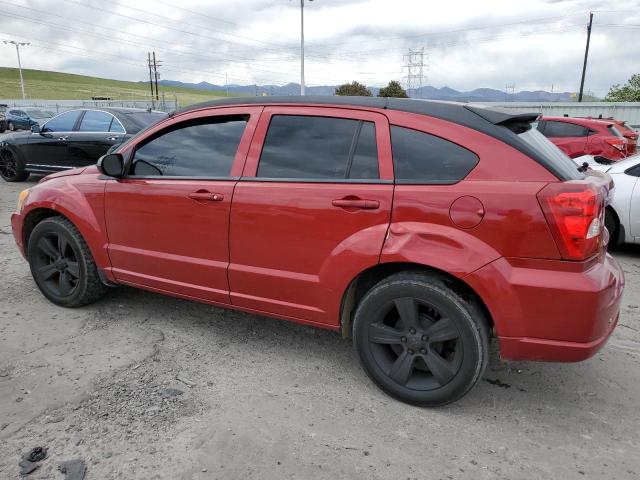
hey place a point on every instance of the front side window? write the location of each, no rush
(62, 123)
(319, 148)
(95, 121)
(205, 148)
(564, 129)
(419, 157)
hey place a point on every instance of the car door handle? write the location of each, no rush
(204, 196)
(64, 139)
(356, 203)
(113, 139)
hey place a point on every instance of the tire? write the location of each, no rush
(612, 225)
(420, 341)
(11, 166)
(62, 265)
(11, 127)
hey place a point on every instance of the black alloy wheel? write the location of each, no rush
(62, 265)
(56, 264)
(419, 340)
(11, 169)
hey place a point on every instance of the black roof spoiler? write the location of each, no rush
(517, 122)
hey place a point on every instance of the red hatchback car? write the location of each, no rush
(586, 136)
(416, 228)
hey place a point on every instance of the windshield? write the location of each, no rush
(36, 113)
(551, 152)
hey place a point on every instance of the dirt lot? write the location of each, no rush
(145, 386)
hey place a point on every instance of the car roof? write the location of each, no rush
(585, 122)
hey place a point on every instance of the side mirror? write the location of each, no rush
(111, 165)
(35, 128)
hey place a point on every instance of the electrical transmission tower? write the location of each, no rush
(414, 63)
(509, 90)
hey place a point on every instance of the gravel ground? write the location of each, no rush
(144, 386)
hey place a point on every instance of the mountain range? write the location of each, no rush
(428, 92)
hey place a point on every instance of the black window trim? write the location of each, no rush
(352, 153)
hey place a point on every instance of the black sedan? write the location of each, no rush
(75, 138)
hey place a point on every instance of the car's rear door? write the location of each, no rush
(569, 137)
(168, 219)
(94, 137)
(311, 210)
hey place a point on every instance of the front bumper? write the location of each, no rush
(551, 310)
(16, 227)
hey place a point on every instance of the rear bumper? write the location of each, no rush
(551, 310)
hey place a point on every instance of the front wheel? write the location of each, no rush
(11, 167)
(62, 265)
(11, 127)
(420, 341)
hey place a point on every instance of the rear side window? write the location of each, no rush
(615, 131)
(319, 148)
(202, 149)
(63, 122)
(422, 158)
(564, 129)
(94, 121)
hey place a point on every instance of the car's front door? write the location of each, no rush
(48, 149)
(168, 218)
(97, 133)
(311, 210)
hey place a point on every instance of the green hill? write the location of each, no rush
(45, 85)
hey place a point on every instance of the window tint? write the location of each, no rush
(203, 149)
(62, 123)
(308, 147)
(116, 126)
(424, 158)
(94, 121)
(564, 129)
(634, 171)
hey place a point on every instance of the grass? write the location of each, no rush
(41, 84)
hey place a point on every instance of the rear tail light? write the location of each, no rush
(575, 214)
(617, 144)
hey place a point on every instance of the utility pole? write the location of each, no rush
(226, 83)
(156, 64)
(586, 55)
(18, 45)
(302, 46)
(415, 70)
(153, 103)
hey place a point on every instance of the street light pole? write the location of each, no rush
(302, 46)
(18, 45)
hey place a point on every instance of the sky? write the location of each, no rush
(526, 45)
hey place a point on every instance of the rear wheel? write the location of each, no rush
(62, 265)
(612, 224)
(419, 340)
(11, 167)
(11, 126)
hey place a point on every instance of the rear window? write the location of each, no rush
(613, 129)
(545, 148)
(422, 158)
(563, 129)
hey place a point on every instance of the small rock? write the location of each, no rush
(54, 419)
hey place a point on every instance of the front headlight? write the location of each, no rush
(21, 198)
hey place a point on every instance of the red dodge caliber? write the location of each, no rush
(416, 228)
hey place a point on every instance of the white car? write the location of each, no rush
(623, 215)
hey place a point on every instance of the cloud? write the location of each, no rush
(468, 44)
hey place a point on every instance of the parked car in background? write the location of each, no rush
(3, 123)
(24, 118)
(72, 139)
(414, 227)
(629, 133)
(623, 214)
(585, 136)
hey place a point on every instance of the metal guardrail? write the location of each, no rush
(58, 106)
